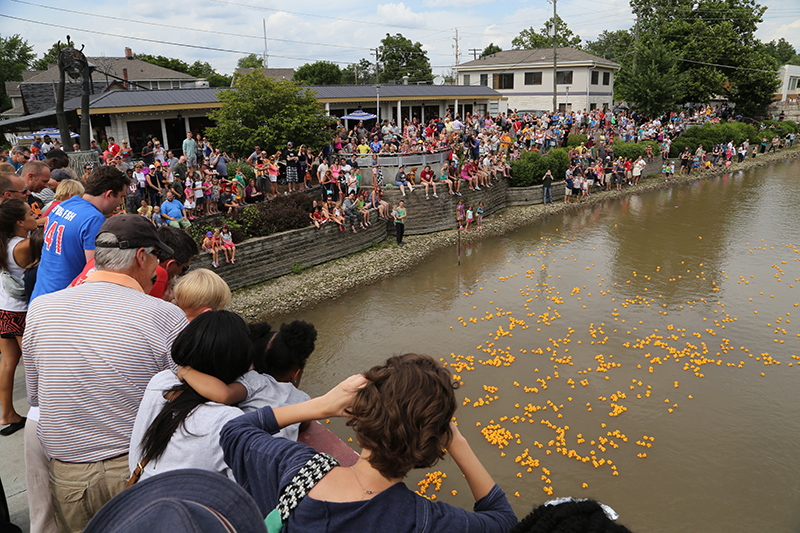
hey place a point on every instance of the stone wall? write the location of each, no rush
(264, 258)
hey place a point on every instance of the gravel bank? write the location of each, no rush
(297, 291)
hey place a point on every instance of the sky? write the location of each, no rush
(222, 31)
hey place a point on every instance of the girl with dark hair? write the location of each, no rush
(568, 515)
(402, 415)
(16, 222)
(278, 364)
(177, 427)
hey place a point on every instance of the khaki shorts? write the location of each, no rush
(79, 490)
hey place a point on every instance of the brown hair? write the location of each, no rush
(403, 414)
(106, 178)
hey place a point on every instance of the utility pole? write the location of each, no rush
(636, 49)
(376, 51)
(458, 55)
(265, 44)
(555, 58)
(475, 52)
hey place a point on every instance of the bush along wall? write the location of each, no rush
(710, 134)
(531, 167)
(259, 220)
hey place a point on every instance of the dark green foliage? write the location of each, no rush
(266, 112)
(48, 58)
(633, 151)
(281, 214)
(529, 38)
(576, 140)
(531, 167)
(491, 49)
(710, 134)
(319, 73)
(400, 57)
(247, 171)
(250, 61)
(15, 55)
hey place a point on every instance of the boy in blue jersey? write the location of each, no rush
(72, 227)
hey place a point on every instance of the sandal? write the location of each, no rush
(13, 428)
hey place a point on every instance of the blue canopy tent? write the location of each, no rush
(359, 115)
(53, 133)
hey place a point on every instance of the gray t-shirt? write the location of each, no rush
(264, 390)
(194, 445)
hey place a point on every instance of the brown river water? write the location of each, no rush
(644, 352)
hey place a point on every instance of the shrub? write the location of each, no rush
(710, 134)
(247, 170)
(531, 167)
(779, 128)
(576, 140)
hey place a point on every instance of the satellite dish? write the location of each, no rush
(438, 80)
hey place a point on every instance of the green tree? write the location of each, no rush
(250, 61)
(266, 112)
(491, 49)
(653, 84)
(198, 69)
(361, 73)
(616, 46)
(529, 38)
(48, 58)
(400, 57)
(782, 50)
(319, 73)
(15, 56)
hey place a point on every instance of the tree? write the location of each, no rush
(653, 84)
(528, 39)
(616, 46)
(361, 73)
(491, 49)
(250, 61)
(400, 57)
(15, 56)
(198, 69)
(319, 73)
(269, 113)
(781, 50)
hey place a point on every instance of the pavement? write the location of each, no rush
(12, 461)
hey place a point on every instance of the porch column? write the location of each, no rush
(186, 124)
(400, 113)
(455, 109)
(164, 135)
(327, 108)
(346, 122)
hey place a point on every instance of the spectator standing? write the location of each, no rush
(547, 183)
(112, 361)
(72, 227)
(190, 150)
(13, 186)
(292, 161)
(148, 153)
(399, 222)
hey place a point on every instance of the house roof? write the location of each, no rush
(12, 89)
(137, 70)
(535, 56)
(16, 111)
(366, 92)
(174, 98)
(272, 73)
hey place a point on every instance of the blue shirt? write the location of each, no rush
(172, 209)
(71, 228)
(263, 465)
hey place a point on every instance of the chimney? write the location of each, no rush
(125, 76)
(128, 53)
(405, 79)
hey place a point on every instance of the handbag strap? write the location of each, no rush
(308, 476)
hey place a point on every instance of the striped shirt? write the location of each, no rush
(89, 353)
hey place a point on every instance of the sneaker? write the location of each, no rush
(404, 194)
(477, 188)
(427, 197)
(458, 193)
(435, 195)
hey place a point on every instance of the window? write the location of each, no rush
(606, 78)
(176, 85)
(793, 83)
(533, 78)
(592, 107)
(485, 80)
(466, 79)
(595, 77)
(503, 81)
(564, 77)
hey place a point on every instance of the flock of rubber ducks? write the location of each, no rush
(623, 334)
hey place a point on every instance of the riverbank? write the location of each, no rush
(294, 292)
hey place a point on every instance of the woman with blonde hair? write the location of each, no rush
(65, 190)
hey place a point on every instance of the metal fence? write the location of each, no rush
(395, 160)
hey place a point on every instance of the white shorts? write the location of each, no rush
(189, 204)
(567, 192)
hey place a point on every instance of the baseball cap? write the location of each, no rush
(180, 501)
(132, 232)
(60, 174)
(289, 143)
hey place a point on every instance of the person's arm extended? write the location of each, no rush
(333, 403)
(479, 480)
(212, 388)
